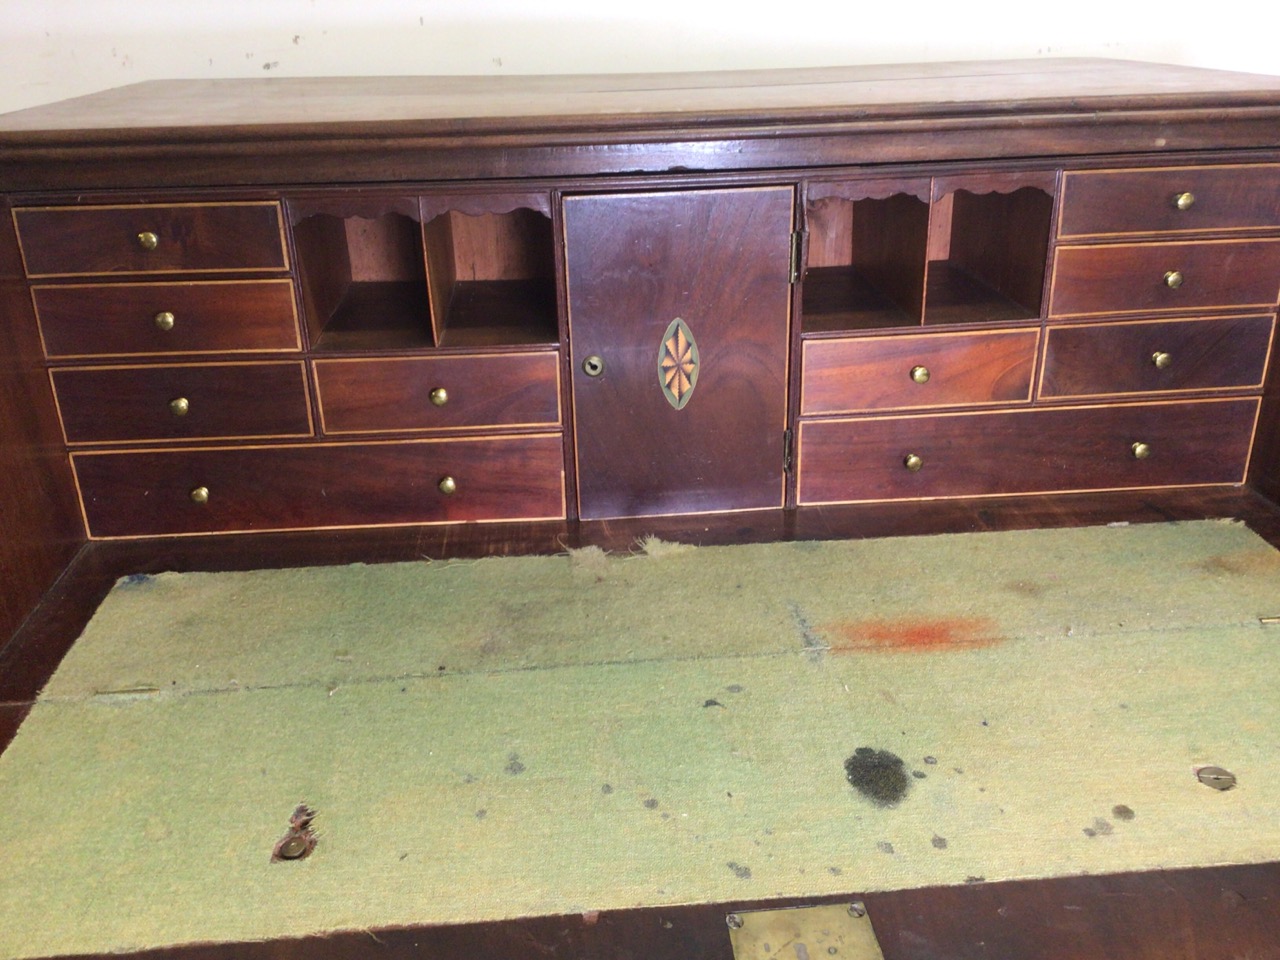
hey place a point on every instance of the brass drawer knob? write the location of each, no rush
(913, 462)
(448, 486)
(439, 396)
(180, 406)
(1140, 450)
(920, 374)
(1173, 279)
(200, 495)
(148, 240)
(164, 320)
(1183, 201)
(1161, 360)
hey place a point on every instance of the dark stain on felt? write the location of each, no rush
(1100, 828)
(1026, 588)
(1122, 812)
(514, 766)
(1241, 563)
(878, 775)
(739, 871)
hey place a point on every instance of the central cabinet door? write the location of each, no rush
(679, 307)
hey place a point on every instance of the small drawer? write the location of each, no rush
(307, 486)
(1165, 356)
(1164, 277)
(929, 370)
(181, 238)
(439, 393)
(187, 402)
(1047, 450)
(1099, 203)
(134, 319)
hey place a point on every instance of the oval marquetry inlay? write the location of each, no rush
(678, 363)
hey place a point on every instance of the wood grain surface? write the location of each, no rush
(718, 261)
(850, 374)
(223, 401)
(217, 316)
(389, 394)
(1120, 358)
(194, 237)
(1231, 197)
(141, 493)
(41, 531)
(1042, 450)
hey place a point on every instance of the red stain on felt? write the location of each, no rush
(953, 633)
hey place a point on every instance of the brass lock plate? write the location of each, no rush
(838, 931)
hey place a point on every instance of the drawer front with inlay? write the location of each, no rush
(439, 393)
(216, 316)
(1169, 200)
(1164, 277)
(902, 372)
(1029, 451)
(182, 402)
(1150, 357)
(180, 238)
(156, 493)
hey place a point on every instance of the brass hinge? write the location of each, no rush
(838, 931)
(787, 440)
(797, 254)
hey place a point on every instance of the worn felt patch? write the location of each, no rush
(500, 738)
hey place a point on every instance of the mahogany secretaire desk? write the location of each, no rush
(329, 304)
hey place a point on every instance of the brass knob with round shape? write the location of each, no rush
(1161, 360)
(448, 486)
(1183, 201)
(1140, 450)
(200, 495)
(439, 396)
(920, 374)
(164, 320)
(147, 240)
(1173, 279)
(913, 462)
(180, 406)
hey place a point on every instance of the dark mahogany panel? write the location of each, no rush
(223, 400)
(400, 393)
(214, 316)
(1155, 357)
(1110, 202)
(74, 241)
(1028, 451)
(1132, 277)
(875, 373)
(719, 260)
(313, 485)
(40, 528)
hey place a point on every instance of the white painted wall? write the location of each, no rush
(50, 49)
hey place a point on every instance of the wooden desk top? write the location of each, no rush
(489, 104)
(558, 125)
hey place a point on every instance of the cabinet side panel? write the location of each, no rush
(40, 526)
(1264, 465)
